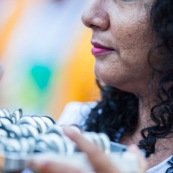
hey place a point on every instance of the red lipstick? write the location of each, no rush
(100, 49)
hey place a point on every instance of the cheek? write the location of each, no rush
(131, 66)
(134, 42)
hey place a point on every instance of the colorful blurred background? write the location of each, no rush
(45, 54)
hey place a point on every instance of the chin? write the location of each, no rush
(105, 81)
(117, 84)
(113, 80)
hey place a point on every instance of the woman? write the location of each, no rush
(133, 49)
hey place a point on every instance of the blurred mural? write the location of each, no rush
(45, 54)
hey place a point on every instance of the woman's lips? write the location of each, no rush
(100, 49)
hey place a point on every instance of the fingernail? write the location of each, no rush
(76, 129)
(69, 131)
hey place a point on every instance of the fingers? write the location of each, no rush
(142, 162)
(52, 167)
(98, 159)
(100, 162)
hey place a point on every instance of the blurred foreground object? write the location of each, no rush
(30, 137)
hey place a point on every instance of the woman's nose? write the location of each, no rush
(96, 17)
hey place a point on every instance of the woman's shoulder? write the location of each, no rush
(75, 113)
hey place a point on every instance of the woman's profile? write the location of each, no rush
(133, 48)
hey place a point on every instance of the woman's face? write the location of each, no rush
(121, 39)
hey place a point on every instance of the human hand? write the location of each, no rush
(99, 160)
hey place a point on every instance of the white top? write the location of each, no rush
(77, 112)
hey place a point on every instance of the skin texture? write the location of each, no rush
(123, 26)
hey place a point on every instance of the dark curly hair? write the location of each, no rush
(119, 109)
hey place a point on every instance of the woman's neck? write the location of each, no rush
(163, 147)
(145, 105)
